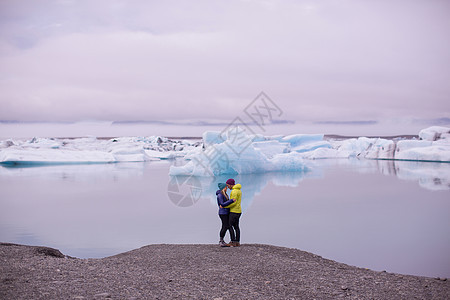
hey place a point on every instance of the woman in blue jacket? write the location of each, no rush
(224, 213)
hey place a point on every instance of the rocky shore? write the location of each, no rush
(201, 272)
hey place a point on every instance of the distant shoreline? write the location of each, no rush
(326, 137)
(390, 137)
(252, 271)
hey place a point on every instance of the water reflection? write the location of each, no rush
(430, 176)
(252, 184)
(374, 214)
(75, 172)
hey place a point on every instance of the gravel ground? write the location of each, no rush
(201, 272)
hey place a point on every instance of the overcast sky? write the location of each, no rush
(332, 60)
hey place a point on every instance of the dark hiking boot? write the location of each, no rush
(223, 244)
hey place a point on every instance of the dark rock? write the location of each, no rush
(49, 252)
(102, 295)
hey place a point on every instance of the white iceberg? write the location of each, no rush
(88, 150)
(433, 153)
(53, 156)
(434, 133)
(228, 152)
(381, 149)
(434, 147)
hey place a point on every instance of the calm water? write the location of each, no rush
(373, 214)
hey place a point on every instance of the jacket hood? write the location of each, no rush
(237, 186)
(218, 192)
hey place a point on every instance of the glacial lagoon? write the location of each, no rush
(381, 215)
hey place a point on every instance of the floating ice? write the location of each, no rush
(237, 154)
(212, 137)
(301, 139)
(218, 137)
(311, 146)
(434, 133)
(271, 148)
(435, 153)
(231, 152)
(434, 147)
(52, 156)
(38, 151)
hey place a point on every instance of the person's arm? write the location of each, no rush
(232, 204)
(222, 201)
(228, 202)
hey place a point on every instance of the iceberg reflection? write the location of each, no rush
(429, 175)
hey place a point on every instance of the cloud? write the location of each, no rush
(149, 60)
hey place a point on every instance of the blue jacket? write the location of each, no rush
(222, 200)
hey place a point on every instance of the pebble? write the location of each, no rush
(103, 295)
(442, 279)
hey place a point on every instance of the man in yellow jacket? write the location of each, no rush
(235, 210)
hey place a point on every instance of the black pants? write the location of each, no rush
(226, 226)
(234, 224)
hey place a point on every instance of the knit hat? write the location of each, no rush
(222, 186)
(231, 181)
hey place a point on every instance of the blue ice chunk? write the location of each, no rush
(298, 139)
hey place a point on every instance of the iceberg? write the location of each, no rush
(271, 148)
(237, 154)
(434, 146)
(311, 146)
(230, 152)
(53, 156)
(212, 137)
(44, 151)
(434, 133)
(301, 139)
(433, 153)
(381, 149)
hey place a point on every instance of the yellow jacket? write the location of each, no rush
(236, 193)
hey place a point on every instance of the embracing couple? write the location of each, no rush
(229, 212)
